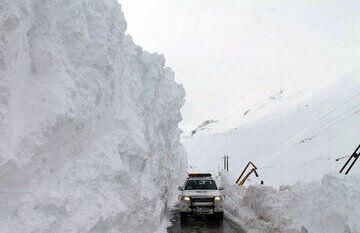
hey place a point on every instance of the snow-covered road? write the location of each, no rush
(202, 225)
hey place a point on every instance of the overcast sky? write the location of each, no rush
(222, 50)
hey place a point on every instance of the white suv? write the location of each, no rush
(200, 195)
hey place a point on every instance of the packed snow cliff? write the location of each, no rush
(327, 206)
(89, 138)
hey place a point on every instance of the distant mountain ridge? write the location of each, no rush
(249, 109)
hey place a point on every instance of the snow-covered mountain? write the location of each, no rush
(251, 108)
(291, 136)
(299, 141)
(89, 138)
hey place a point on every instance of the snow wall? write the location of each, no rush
(89, 138)
(329, 205)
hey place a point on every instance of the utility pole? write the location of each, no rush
(226, 162)
(223, 159)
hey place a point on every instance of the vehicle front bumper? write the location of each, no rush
(192, 207)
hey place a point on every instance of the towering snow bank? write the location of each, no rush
(329, 205)
(88, 121)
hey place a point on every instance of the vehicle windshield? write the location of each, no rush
(200, 185)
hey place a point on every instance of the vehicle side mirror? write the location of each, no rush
(181, 188)
(221, 188)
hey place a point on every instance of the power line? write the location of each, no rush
(321, 126)
(335, 119)
(313, 124)
(322, 117)
(331, 123)
(337, 107)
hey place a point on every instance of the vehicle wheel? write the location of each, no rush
(183, 216)
(220, 216)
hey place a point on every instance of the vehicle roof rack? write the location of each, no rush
(193, 175)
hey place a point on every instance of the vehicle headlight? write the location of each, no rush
(186, 199)
(217, 199)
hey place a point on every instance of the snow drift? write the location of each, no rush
(89, 140)
(327, 206)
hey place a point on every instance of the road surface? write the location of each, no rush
(201, 225)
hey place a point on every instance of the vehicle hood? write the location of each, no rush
(201, 193)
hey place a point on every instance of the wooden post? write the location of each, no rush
(355, 155)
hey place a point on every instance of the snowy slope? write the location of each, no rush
(251, 108)
(89, 140)
(297, 139)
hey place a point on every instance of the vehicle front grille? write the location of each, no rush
(202, 199)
